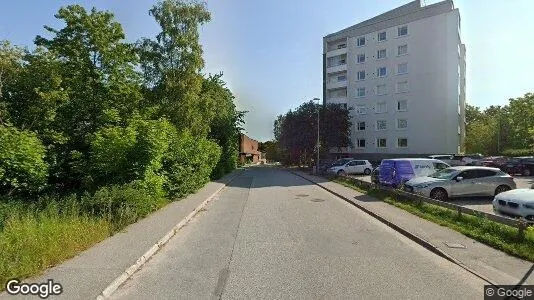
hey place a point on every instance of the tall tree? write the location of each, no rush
(172, 63)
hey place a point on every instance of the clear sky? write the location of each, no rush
(271, 51)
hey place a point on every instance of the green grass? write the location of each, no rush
(33, 241)
(498, 236)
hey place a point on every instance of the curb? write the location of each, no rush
(417, 239)
(111, 288)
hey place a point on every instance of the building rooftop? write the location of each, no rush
(409, 12)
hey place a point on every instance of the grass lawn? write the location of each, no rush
(499, 236)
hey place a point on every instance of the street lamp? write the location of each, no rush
(318, 144)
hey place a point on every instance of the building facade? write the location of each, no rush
(248, 149)
(403, 73)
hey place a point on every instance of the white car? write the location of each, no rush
(355, 166)
(461, 182)
(517, 203)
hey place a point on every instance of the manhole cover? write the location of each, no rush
(302, 195)
(317, 200)
(455, 245)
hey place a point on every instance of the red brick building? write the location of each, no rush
(248, 149)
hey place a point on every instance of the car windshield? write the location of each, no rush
(443, 174)
(340, 162)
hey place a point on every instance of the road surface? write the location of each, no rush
(273, 235)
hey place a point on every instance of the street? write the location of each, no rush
(271, 235)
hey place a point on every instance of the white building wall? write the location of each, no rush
(433, 78)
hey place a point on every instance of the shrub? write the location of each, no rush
(22, 165)
(189, 163)
(518, 152)
(134, 153)
(121, 204)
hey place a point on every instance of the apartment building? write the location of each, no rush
(403, 73)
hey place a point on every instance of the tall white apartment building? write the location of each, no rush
(403, 73)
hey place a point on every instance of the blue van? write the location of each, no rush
(395, 172)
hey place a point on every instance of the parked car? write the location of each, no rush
(375, 174)
(520, 165)
(394, 172)
(354, 166)
(495, 161)
(466, 160)
(446, 158)
(517, 203)
(460, 182)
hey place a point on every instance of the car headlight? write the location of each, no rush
(530, 206)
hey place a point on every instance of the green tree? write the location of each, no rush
(172, 63)
(10, 66)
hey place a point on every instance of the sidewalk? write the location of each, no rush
(87, 274)
(496, 266)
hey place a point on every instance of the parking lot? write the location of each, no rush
(480, 203)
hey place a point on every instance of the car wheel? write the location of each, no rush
(367, 171)
(341, 173)
(526, 172)
(502, 188)
(439, 194)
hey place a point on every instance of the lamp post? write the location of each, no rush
(318, 144)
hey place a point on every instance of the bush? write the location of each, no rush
(227, 161)
(518, 152)
(189, 164)
(134, 153)
(22, 165)
(121, 205)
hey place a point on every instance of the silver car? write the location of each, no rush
(461, 181)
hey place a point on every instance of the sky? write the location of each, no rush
(270, 52)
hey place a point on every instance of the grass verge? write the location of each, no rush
(499, 236)
(31, 242)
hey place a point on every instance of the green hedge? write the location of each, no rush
(189, 164)
(518, 152)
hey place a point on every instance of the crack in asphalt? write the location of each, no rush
(224, 274)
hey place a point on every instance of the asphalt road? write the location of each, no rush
(479, 203)
(273, 235)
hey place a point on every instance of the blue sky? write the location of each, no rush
(271, 51)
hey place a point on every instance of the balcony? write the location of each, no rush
(334, 83)
(337, 100)
(336, 52)
(339, 67)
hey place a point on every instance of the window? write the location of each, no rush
(381, 72)
(342, 78)
(361, 58)
(361, 126)
(360, 143)
(381, 108)
(381, 143)
(381, 89)
(381, 54)
(360, 92)
(402, 86)
(402, 123)
(360, 109)
(344, 105)
(402, 50)
(402, 142)
(382, 36)
(402, 105)
(402, 31)
(381, 125)
(361, 41)
(402, 68)
(361, 75)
